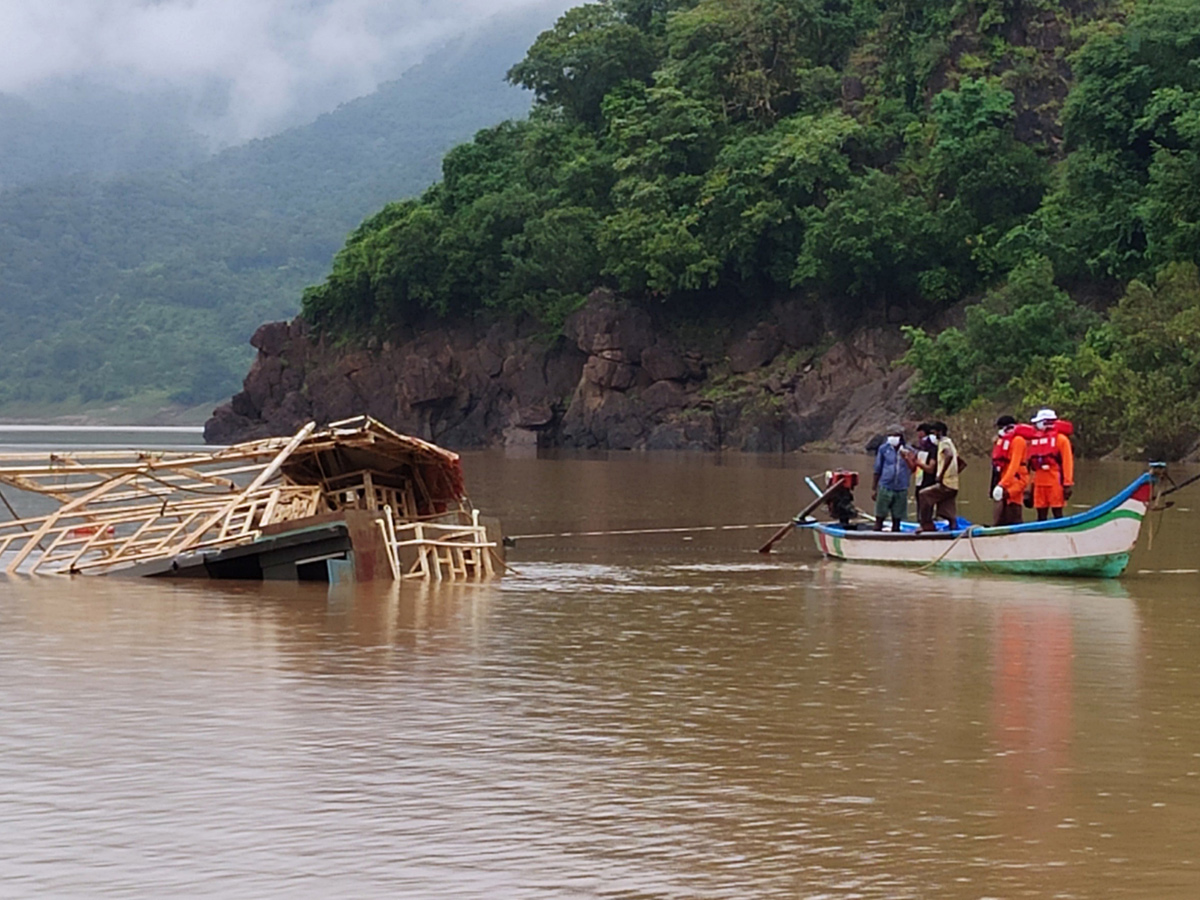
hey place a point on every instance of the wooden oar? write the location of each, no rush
(799, 517)
(862, 513)
(1179, 486)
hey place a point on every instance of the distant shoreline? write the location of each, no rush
(26, 428)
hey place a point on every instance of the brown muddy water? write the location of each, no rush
(647, 716)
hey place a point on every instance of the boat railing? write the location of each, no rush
(439, 550)
(87, 539)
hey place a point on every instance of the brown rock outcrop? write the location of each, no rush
(613, 378)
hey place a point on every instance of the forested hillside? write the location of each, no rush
(77, 128)
(146, 287)
(882, 158)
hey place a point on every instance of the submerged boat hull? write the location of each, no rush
(1096, 543)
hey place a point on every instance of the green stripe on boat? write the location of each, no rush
(1104, 566)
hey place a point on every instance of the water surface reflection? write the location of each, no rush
(645, 717)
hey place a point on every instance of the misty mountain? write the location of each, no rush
(149, 285)
(82, 128)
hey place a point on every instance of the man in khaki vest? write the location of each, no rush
(939, 499)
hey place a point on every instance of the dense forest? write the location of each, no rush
(80, 127)
(885, 159)
(138, 279)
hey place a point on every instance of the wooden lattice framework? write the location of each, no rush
(117, 509)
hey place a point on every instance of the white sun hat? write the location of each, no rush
(1045, 414)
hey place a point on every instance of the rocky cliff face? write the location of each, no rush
(612, 379)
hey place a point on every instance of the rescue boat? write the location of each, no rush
(1095, 543)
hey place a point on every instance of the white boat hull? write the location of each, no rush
(1095, 543)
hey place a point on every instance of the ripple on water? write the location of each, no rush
(633, 722)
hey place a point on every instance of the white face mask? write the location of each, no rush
(1042, 425)
(893, 440)
(1002, 432)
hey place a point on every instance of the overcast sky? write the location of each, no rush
(254, 65)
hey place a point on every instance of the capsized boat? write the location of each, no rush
(354, 501)
(1094, 543)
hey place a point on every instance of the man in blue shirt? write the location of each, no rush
(889, 487)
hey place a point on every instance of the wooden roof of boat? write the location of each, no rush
(364, 444)
(309, 457)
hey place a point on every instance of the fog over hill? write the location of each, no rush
(233, 70)
(134, 263)
(79, 126)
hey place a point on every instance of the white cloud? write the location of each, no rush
(272, 62)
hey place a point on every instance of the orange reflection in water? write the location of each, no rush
(1032, 700)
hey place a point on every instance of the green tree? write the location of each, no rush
(755, 197)
(1136, 379)
(589, 51)
(756, 59)
(661, 133)
(872, 240)
(977, 162)
(651, 242)
(1130, 124)
(553, 263)
(1027, 319)
(650, 16)
(1170, 207)
(1087, 387)
(1088, 223)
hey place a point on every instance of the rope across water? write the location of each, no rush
(627, 531)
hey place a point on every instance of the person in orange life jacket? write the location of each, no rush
(939, 498)
(1009, 475)
(1051, 464)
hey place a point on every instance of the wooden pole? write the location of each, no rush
(263, 477)
(799, 517)
(66, 510)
